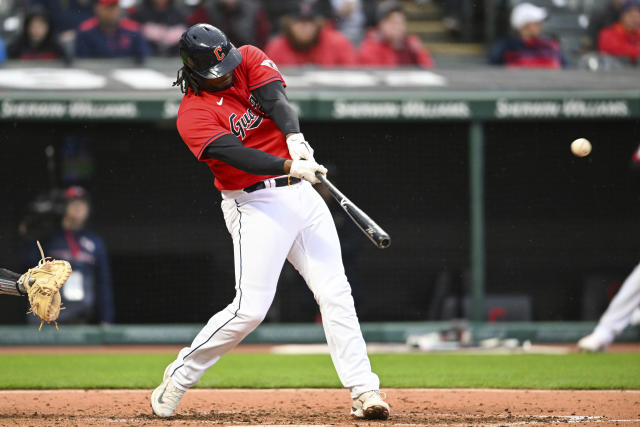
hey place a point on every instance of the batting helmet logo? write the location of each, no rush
(218, 53)
(207, 51)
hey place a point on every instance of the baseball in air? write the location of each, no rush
(581, 147)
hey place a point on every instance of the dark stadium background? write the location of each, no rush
(552, 219)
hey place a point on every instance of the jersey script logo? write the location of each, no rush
(240, 125)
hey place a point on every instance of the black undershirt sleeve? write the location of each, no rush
(229, 149)
(275, 103)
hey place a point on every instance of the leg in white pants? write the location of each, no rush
(317, 256)
(267, 226)
(261, 243)
(618, 314)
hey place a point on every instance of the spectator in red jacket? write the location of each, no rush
(389, 45)
(623, 38)
(308, 40)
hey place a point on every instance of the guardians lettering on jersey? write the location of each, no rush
(255, 104)
(249, 120)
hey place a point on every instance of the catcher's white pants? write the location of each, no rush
(620, 310)
(269, 226)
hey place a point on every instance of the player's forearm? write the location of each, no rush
(229, 149)
(275, 103)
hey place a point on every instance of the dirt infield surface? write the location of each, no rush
(415, 407)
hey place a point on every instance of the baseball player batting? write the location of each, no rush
(235, 117)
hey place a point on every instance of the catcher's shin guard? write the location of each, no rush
(9, 283)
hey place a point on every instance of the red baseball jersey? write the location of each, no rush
(205, 118)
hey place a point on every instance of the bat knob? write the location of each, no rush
(384, 243)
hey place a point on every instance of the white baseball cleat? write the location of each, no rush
(166, 398)
(370, 406)
(167, 372)
(592, 344)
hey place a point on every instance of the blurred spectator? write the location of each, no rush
(527, 48)
(602, 17)
(452, 11)
(388, 45)
(36, 41)
(162, 24)
(109, 35)
(622, 39)
(66, 15)
(308, 39)
(277, 9)
(88, 295)
(243, 21)
(3, 53)
(635, 162)
(350, 19)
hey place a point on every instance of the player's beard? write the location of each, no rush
(224, 86)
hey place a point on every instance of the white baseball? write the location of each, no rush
(581, 147)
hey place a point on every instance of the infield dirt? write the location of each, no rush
(417, 407)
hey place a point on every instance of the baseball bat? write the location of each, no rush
(373, 231)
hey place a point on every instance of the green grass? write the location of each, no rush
(572, 371)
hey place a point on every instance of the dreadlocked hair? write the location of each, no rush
(186, 79)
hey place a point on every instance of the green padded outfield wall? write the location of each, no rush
(553, 222)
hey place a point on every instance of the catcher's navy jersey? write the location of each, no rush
(88, 294)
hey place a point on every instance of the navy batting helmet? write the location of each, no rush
(208, 52)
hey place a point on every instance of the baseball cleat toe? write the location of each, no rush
(370, 406)
(592, 344)
(166, 398)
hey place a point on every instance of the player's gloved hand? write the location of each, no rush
(306, 169)
(43, 283)
(299, 148)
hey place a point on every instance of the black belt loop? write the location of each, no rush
(280, 182)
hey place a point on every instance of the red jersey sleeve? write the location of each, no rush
(198, 128)
(259, 68)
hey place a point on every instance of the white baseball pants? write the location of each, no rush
(620, 310)
(267, 227)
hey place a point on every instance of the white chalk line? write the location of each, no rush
(570, 419)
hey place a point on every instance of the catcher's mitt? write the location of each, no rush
(43, 283)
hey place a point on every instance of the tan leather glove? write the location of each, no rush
(43, 283)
